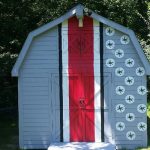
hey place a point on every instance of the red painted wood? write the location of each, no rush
(81, 80)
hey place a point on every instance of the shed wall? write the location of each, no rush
(120, 137)
(38, 86)
(38, 100)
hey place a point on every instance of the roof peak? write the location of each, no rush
(79, 11)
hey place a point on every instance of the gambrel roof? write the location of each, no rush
(78, 11)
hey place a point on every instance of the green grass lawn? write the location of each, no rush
(9, 132)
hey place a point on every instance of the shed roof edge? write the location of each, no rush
(70, 13)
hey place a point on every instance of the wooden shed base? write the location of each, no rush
(81, 146)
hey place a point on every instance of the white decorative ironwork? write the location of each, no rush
(110, 44)
(119, 53)
(142, 126)
(119, 71)
(129, 62)
(110, 31)
(141, 108)
(141, 90)
(130, 135)
(140, 71)
(120, 90)
(130, 117)
(120, 108)
(120, 126)
(110, 62)
(129, 80)
(129, 99)
(124, 39)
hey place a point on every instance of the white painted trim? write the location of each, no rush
(140, 52)
(21, 114)
(97, 111)
(66, 120)
(16, 67)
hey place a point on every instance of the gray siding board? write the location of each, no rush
(37, 129)
(36, 120)
(42, 61)
(49, 52)
(39, 115)
(42, 48)
(42, 66)
(46, 38)
(41, 138)
(41, 101)
(34, 133)
(106, 56)
(35, 89)
(37, 146)
(35, 98)
(43, 57)
(35, 124)
(42, 111)
(35, 142)
(129, 110)
(35, 106)
(52, 43)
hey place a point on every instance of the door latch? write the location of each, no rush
(82, 103)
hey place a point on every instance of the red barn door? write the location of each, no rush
(81, 80)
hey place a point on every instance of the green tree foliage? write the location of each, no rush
(19, 17)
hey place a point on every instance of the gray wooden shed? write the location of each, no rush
(82, 78)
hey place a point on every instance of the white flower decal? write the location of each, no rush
(110, 44)
(142, 126)
(120, 126)
(130, 117)
(120, 108)
(141, 90)
(119, 53)
(110, 31)
(129, 80)
(130, 135)
(129, 62)
(120, 90)
(119, 71)
(140, 71)
(141, 108)
(129, 99)
(124, 39)
(110, 62)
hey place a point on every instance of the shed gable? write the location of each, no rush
(78, 11)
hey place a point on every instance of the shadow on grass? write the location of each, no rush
(8, 131)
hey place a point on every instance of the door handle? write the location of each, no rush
(82, 103)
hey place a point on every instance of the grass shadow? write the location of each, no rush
(8, 131)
